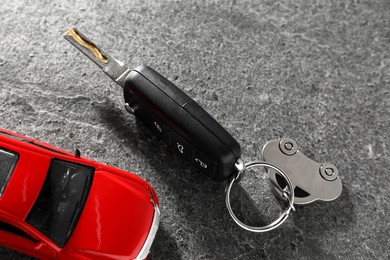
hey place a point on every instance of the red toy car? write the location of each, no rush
(57, 205)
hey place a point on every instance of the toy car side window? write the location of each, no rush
(61, 200)
(14, 230)
(8, 160)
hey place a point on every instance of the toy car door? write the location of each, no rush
(19, 240)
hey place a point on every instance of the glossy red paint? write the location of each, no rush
(114, 224)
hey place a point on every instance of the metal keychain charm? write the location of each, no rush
(312, 181)
(294, 177)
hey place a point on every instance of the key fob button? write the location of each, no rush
(204, 163)
(160, 128)
(181, 146)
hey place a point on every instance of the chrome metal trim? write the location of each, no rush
(152, 234)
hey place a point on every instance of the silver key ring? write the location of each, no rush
(288, 194)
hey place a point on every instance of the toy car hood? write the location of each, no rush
(129, 213)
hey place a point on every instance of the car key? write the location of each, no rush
(197, 137)
(171, 114)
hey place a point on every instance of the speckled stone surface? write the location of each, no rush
(314, 71)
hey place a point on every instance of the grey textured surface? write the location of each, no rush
(315, 71)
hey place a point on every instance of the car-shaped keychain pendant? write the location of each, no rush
(57, 205)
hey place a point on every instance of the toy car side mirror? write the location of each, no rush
(44, 249)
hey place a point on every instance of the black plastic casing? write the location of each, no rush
(181, 123)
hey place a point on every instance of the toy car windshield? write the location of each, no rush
(8, 162)
(61, 200)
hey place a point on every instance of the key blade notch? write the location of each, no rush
(85, 46)
(116, 70)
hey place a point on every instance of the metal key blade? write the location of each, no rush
(113, 68)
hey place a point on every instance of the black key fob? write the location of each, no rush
(180, 122)
(169, 112)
